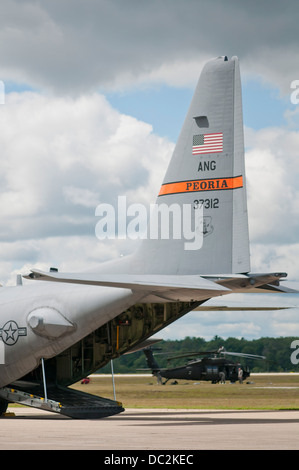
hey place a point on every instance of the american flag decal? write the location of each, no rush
(207, 143)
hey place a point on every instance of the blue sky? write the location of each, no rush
(263, 105)
(165, 107)
(162, 106)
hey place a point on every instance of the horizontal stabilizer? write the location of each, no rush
(252, 282)
(181, 287)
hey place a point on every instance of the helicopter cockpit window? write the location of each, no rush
(212, 370)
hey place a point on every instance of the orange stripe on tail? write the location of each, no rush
(215, 184)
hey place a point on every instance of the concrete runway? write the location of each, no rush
(152, 430)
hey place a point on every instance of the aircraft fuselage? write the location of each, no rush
(40, 321)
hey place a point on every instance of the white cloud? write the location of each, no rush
(272, 173)
(249, 324)
(81, 196)
(76, 49)
(60, 158)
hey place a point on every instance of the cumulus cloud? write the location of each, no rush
(238, 325)
(272, 174)
(251, 324)
(77, 47)
(60, 158)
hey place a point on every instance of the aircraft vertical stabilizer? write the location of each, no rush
(207, 171)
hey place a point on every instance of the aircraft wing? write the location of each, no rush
(172, 287)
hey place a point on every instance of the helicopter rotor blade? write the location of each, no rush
(221, 351)
(192, 353)
(246, 355)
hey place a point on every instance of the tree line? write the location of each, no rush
(280, 354)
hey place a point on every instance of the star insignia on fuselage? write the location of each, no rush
(10, 332)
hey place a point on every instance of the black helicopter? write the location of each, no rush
(213, 367)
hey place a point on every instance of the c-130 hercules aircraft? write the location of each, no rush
(56, 332)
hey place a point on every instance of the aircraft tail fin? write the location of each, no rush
(202, 201)
(151, 361)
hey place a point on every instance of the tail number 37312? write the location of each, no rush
(211, 203)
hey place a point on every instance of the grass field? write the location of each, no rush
(261, 392)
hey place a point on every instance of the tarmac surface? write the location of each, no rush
(149, 429)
